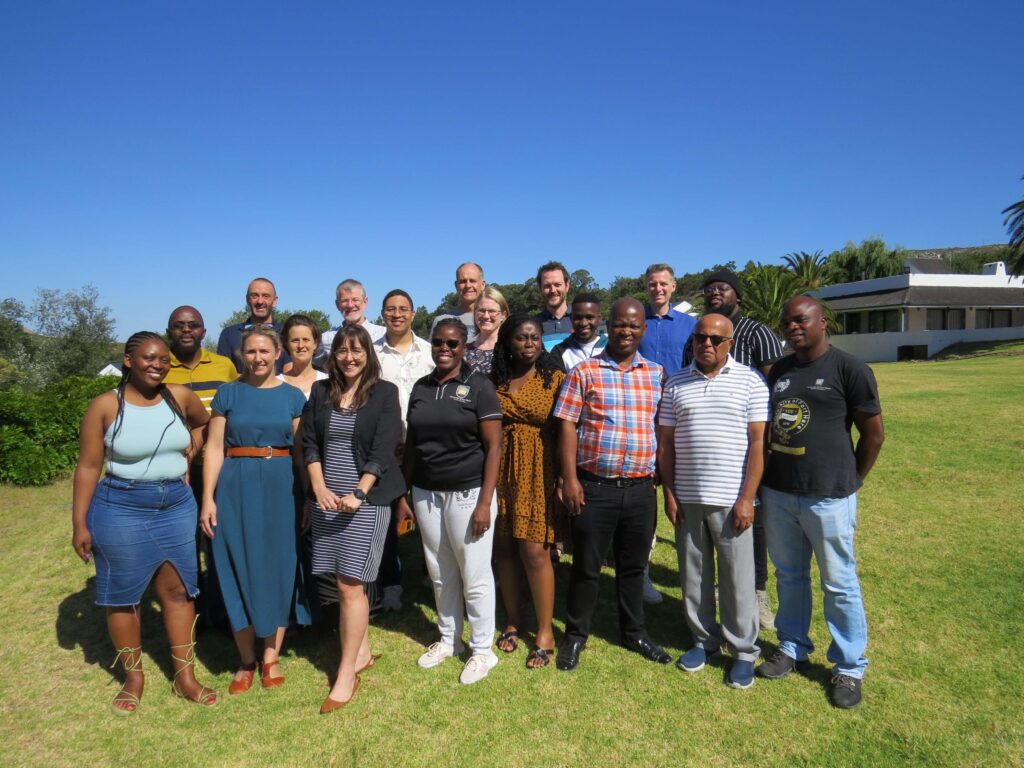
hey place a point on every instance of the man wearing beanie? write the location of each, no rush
(756, 346)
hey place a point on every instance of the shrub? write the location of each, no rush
(39, 430)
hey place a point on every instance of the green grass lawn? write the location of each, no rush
(940, 540)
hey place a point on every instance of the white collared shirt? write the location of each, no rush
(404, 370)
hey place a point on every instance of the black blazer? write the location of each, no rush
(378, 430)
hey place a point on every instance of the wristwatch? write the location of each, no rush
(358, 493)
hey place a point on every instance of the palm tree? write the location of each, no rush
(1014, 223)
(766, 289)
(809, 267)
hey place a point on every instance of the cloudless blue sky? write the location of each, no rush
(167, 152)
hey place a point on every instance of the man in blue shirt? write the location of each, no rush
(261, 299)
(667, 329)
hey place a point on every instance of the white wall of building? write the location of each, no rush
(898, 282)
(882, 347)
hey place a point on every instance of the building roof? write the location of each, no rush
(930, 296)
(926, 266)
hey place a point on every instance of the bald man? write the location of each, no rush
(711, 428)
(201, 371)
(809, 493)
(261, 299)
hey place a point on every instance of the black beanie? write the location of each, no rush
(724, 276)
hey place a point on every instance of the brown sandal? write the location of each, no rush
(133, 702)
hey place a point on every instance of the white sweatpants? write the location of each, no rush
(458, 564)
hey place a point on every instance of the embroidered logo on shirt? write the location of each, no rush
(461, 393)
(781, 386)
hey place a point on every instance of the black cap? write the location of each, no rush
(724, 276)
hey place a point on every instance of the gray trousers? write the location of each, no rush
(709, 529)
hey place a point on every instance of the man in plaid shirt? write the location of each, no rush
(607, 445)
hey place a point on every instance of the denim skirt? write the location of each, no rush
(137, 526)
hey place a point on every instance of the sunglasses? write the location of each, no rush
(450, 343)
(700, 338)
(721, 288)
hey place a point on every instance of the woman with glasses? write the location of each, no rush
(452, 455)
(350, 429)
(490, 312)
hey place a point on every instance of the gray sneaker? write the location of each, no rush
(779, 665)
(764, 610)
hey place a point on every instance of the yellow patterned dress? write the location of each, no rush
(527, 506)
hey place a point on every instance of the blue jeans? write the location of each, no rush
(796, 527)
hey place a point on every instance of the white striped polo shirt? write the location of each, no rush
(710, 418)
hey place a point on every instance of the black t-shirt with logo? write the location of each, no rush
(812, 411)
(444, 430)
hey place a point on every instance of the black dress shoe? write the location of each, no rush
(569, 654)
(646, 648)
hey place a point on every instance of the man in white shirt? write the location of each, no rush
(404, 359)
(585, 341)
(351, 300)
(711, 443)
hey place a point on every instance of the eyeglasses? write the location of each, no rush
(397, 311)
(186, 325)
(350, 352)
(450, 343)
(701, 338)
(489, 312)
(722, 288)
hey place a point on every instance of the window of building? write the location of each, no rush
(884, 321)
(850, 322)
(936, 320)
(992, 318)
(954, 319)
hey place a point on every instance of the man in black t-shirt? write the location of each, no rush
(809, 494)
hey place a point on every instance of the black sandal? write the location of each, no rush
(509, 637)
(542, 654)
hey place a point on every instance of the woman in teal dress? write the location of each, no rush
(249, 507)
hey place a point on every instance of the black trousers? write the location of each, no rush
(623, 518)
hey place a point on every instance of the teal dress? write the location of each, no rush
(255, 544)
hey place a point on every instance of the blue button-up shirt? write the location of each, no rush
(665, 339)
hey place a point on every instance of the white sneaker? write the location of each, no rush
(436, 654)
(477, 667)
(391, 600)
(651, 595)
(764, 610)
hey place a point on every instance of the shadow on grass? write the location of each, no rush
(82, 624)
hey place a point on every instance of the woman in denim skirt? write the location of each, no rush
(140, 519)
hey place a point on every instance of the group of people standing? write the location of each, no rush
(312, 452)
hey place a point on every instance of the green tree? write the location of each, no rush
(1014, 223)
(867, 261)
(71, 335)
(321, 318)
(810, 268)
(766, 289)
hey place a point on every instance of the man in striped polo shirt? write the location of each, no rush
(754, 345)
(608, 447)
(711, 432)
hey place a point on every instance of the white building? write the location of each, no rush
(915, 315)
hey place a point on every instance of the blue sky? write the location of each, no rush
(167, 152)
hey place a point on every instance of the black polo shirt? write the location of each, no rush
(444, 430)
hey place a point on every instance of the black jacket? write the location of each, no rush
(378, 430)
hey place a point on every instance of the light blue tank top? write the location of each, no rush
(150, 444)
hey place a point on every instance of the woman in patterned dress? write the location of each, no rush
(350, 429)
(527, 380)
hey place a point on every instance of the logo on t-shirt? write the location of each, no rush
(791, 418)
(781, 386)
(461, 393)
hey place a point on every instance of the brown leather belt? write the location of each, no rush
(267, 452)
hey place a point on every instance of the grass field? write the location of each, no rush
(940, 540)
